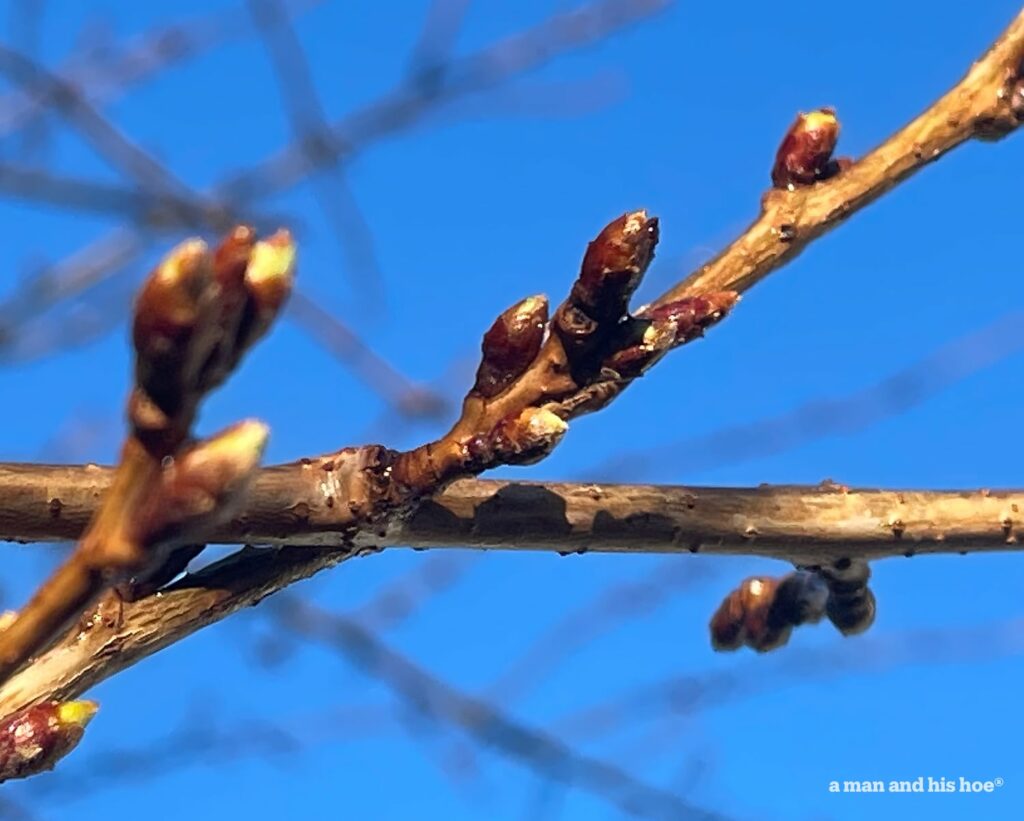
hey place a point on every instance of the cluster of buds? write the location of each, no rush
(36, 738)
(197, 314)
(514, 415)
(195, 318)
(762, 612)
(805, 155)
(594, 324)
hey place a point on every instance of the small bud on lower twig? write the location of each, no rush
(36, 738)
(805, 155)
(656, 330)
(762, 612)
(510, 345)
(851, 604)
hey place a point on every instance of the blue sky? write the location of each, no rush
(495, 199)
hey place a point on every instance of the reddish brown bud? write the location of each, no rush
(806, 152)
(510, 345)
(36, 738)
(762, 612)
(658, 329)
(231, 258)
(688, 318)
(174, 332)
(202, 487)
(170, 303)
(230, 262)
(614, 264)
(742, 618)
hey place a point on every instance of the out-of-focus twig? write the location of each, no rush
(544, 754)
(309, 126)
(103, 74)
(404, 396)
(65, 98)
(437, 39)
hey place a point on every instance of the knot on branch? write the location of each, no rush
(1008, 113)
(762, 612)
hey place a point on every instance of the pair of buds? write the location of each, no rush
(197, 314)
(195, 318)
(762, 612)
(593, 338)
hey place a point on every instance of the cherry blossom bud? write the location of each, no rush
(805, 155)
(36, 738)
(510, 345)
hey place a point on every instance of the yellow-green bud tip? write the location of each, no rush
(79, 713)
(822, 118)
(272, 259)
(545, 424)
(242, 443)
(181, 261)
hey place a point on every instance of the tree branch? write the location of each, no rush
(358, 498)
(803, 524)
(987, 104)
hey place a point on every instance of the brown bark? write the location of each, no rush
(289, 505)
(805, 525)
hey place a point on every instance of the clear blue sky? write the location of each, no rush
(494, 200)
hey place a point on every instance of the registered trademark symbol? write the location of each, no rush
(998, 782)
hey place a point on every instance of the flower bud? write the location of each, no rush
(520, 439)
(170, 303)
(36, 738)
(510, 345)
(851, 604)
(762, 612)
(655, 330)
(271, 273)
(202, 487)
(805, 155)
(614, 264)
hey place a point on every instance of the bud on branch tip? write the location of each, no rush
(613, 265)
(271, 271)
(805, 155)
(33, 740)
